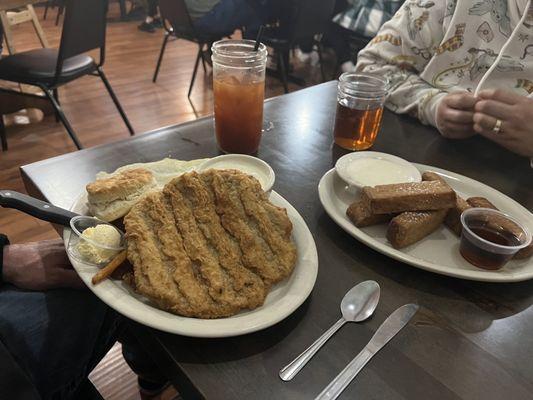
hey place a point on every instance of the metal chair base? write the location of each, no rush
(199, 57)
(52, 95)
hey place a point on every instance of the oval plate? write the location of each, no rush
(283, 299)
(439, 252)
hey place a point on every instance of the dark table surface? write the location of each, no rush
(470, 340)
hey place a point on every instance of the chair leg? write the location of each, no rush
(46, 9)
(201, 46)
(62, 117)
(196, 65)
(3, 137)
(56, 96)
(160, 59)
(115, 100)
(321, 60)
(123, 12)
(59, 14)
(282, 71)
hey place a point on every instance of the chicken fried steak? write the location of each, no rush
(209, 245)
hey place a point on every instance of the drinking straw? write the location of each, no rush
(258, 38)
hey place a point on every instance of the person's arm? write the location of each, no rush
(400, 51)
(39, 266)
(4, 241)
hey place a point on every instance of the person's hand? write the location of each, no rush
(39, 266)
(455, 115)
(514, 111)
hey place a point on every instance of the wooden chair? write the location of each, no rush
(19, 13)
(83, 30)
(177, 22)
(12, 13)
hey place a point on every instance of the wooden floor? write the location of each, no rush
(130, 62)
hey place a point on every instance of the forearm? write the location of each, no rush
(400, 51)
(8, 264)
(408, 93)
(4, 257)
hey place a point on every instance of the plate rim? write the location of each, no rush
(398, 255)
(210, 330)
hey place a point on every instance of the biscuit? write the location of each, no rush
(112, 198)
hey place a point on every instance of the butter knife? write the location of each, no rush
(388, 329)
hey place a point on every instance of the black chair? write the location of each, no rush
(357, 43)
(83, 30)
(60, 4)
(178, 23)
(303, 21)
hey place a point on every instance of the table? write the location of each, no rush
(470, 340)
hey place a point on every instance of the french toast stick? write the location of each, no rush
(432, 176)
(480, 202)
(526, 252)
(453, 217)
(361, 216)
(410, 227)
(400, 197)
(485, 203)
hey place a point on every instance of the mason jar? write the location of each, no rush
(360, 100)
(239, 93)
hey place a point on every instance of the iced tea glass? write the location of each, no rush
(239, 91)
(360, 99)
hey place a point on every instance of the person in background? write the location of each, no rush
(152, 20)
(463, 66)
(222, 17)
(359, 18)
(53, 333)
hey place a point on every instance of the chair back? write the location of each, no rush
(176, 13)
(309, 18)
(83, 29)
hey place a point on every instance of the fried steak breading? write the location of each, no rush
(209, 245)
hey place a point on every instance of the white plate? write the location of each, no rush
(254, 166)
(283, 299)
(439, 252)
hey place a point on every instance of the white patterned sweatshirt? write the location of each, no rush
(433, 47)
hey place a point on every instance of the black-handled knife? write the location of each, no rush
(35, 207)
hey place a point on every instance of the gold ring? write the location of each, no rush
(497, 127)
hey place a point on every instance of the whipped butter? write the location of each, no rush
(100, 235)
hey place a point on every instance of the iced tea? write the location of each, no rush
(238, 114)
(356, 129)
(239, 91)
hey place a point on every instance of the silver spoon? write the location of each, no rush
(356, 306)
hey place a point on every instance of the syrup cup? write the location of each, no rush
(483, 252)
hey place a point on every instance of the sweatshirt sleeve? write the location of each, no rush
(400, 52)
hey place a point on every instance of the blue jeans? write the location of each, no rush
(229, 15)
(56, 337)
